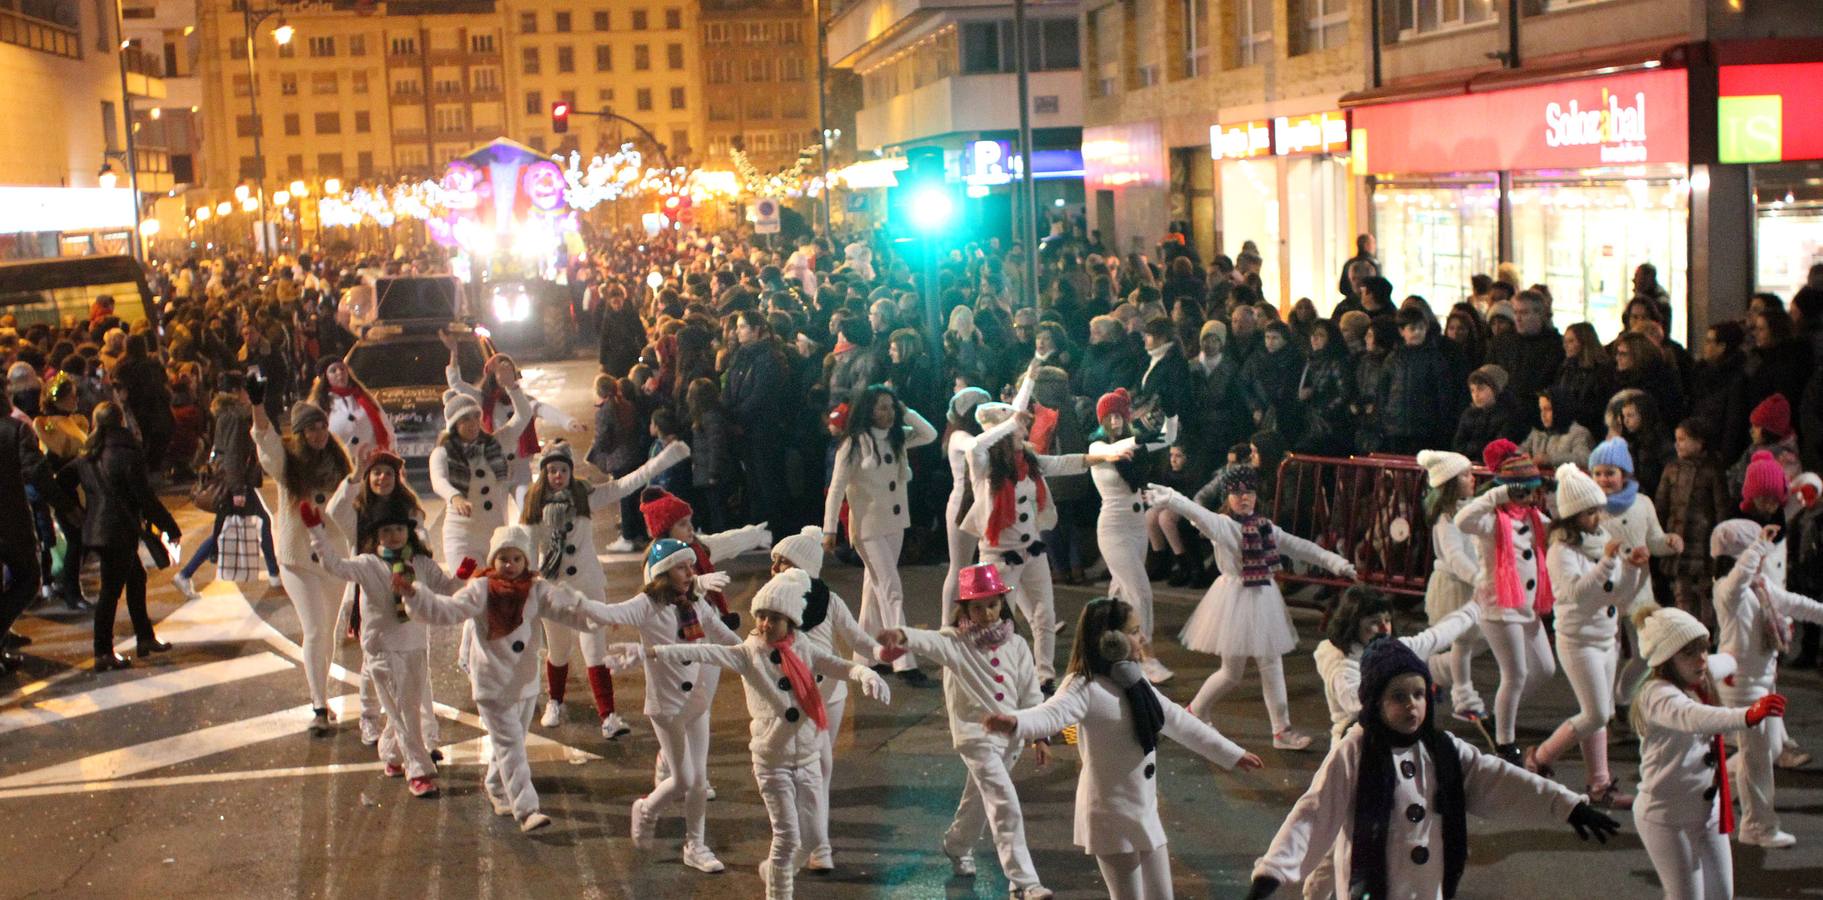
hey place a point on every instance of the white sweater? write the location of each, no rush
(1341, 671)
(839, 622)
(289, 536)
(1676, 755)
(874, 484)
(1593, 591)
(1457, 565)
(506, 668)
(1479, 519)
(381, 630)
(674, 686)
(1741, 616)
(1637, 526)
(978, 682)
(781, 734)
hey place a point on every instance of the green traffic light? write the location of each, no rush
(931, 207)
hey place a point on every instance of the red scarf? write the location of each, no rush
(528, 439)
(1507, 590)
(505, 602)
(704, 565)
(381, 437)
(1722, 793)
(803, 684)
(1005, 499)
(843, 345)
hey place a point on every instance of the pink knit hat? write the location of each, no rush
(1772, 416)
(1765, 478)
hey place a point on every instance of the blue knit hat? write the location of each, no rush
(1612, 452)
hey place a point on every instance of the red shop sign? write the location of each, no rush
(1768, 113)
(1639, 117)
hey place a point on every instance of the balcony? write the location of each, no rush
(963, 103)
(145, 73)
(40, 25)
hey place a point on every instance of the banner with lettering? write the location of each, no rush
(1614, 120)
(1768, 113)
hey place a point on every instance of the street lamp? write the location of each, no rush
(282, 35)
(332, 187)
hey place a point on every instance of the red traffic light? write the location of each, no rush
(672, 202)
(560, 117)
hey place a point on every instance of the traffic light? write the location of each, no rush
(928, 201)
(560, 117)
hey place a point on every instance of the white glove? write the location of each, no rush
(1159, 495)
(1348, 571)
(624, 655)
(874, 686)
(764, 531)
(712, 581)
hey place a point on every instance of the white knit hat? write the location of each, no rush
(518, 537)
(1665, 630)
(784, 595)
(1443, 465)
(804, 550)
(456, 405)
(1576, 492)
(987, 415)
(1733, 537)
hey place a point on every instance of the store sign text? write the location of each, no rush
(1751, 121)
(1242, 141)
(1619, 130)
(1325, 132)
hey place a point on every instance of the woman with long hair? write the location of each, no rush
(963, 353)
(493, 396)
(1120, 528)
(1586, 379)
(1326, 389)
(354, 417)
(871, 472)
(309, 464)
(119, 500)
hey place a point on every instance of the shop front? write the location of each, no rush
(1766, 118)
(48, 222)
(1284, 184)
(1125, 175)
(1581, 181)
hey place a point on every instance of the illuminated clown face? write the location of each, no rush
(543, 185)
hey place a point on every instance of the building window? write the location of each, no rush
(449, 120)
(602, 20)
(363, 122)
(721, 111)
(1193, 16)
(328, 123)
(566, 60)
(792, 68)
(237, 48)
(404, 46)
(677, 98)
(791, 33)
(720, 71)
(680, 141)
(485, 79)
(563, 23)
(245, 126)
(322, 46)
(288, 84)
(1325, 24)
(642, 58)
(715, 33)
(642, 99)
(293, 125)
(528, 23)
(534, 103)
(605, 95)
(759, 69)
(243, 86)
(528, 60)
(322, 83)
(357, 81)
(674, 18)
(357, 45)
(987, 47)
(329, 164)
(288, 51)
(481, 43)
(1253, 32)
(1416, 17)
(294, 164)
(674, 57)
(364, 164)
(639, 20)
(447, 86)
(405, 87)
(759, 107)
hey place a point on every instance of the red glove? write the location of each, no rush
(309, 513)
(466, 568)
(1769, 705)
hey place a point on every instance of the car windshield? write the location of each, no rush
(412, 362)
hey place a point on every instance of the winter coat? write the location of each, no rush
(1408, 405)
(1218, 418)
(622, 336)
(1661, 383)
(779, 735)
(1551, 449)
(1478, 427)
(613, 451)
(964, 358)
(1167, 377)
(1328, 425)
(1692, 498)
(1105, 367)
(712, 447)
(1581, 395)
(1783, 368)
(237, 467)
(1717, 399)
(1271, 382)
(915, 381)
(758, 380)
(117, 496)
(850, 372)
(1531, 361)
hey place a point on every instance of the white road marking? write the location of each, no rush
(140, 690)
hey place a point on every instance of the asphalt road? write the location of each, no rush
(194, 775)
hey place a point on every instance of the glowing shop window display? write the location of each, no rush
(1250, 212)
(1433, 236)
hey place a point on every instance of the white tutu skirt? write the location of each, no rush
(1237, 621)
(1444, 594)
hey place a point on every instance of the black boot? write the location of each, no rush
(1158, 564)
(1180, 577)
(1200, 575)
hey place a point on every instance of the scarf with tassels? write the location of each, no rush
(505, 602)
(803, 684)
(1259, 551)
(1723, 796)
(558, 514)
(1006, 500)
(1508, 592)
(381, 436)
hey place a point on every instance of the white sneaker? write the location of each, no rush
(501, 807)
(370, 732)
(641, 825)
(961, 866)
(821, 860)
(1156, 671)
(534, 822)
(711, 792)
(553, 715)
(183, 584)
(1777, 840)
(1034, 892)
(272, 578)
(1290, 739)
(698, 857)
(614, 726)
(620, 545)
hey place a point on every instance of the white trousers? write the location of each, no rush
(683, 744)
(1230, 673)
(1524, 655)
(1463, 696)
(402, 681)
(1590, 669)
(317, 597)
(1030, 583)
(882, 593)
(989, 801)
(509, 774)
(467, 538)
(961, 556)
(1752, 766)
(1143, 875)
(561, 643)
(834, 710)
(371, 713)
(791, 797)
(1122, 539)
(1693, 862)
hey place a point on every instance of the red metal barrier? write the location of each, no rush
(1368, 509)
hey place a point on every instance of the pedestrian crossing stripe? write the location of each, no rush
(140, 690)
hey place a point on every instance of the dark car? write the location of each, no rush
(403, 366)
(529, 316)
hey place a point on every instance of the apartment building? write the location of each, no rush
(760, 71)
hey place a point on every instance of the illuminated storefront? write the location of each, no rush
(1766, 117)
(41, 222)
(1590, 179)
(1284, 184)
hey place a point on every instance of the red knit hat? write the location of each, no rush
(839, 417)
(1765, 478)
(662, 509)
(1510, 465)
(1773, 416)
(1114, 401)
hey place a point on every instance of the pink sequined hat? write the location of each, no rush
(980, 581)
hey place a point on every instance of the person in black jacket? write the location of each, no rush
(1533, 353)
(118, 499)
(21, 462)
(622, 333)
(1271, 377)
(1109, 361)
(1411, 409)
(1167, 375)
(758, 381)
(1492, 413)
(139, 380)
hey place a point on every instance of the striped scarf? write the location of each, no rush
(1259, 552)
(462, 458)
